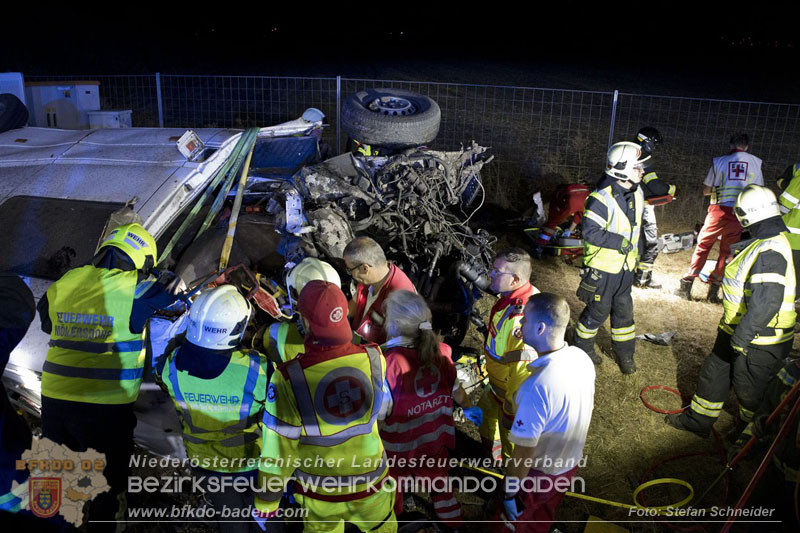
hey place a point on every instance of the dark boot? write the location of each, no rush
(713, 293)
(623, 353)
(587, 345)
(685, 289)
(679, 421)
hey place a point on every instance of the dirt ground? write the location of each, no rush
(626, 439)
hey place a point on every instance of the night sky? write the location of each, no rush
(752, 44)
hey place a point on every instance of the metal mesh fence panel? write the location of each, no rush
(135, 92)
(697, 130)
(539, 137)
(245, 101)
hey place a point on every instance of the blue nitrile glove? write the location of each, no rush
(510, 507)
(474, 415)
(566, 234)
(261, 519)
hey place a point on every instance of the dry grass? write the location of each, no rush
(626, 439)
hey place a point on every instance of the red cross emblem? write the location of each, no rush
(426, 381)
(737, 170)
(343, 395)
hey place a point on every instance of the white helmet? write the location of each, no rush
(218, 318)
(309, 269)
(754, 204)
(622, 159)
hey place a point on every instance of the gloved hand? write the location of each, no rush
(737, 349)
(566, 234)
(588, 286)
(474, 415)
(510, 508)
(626, 246)
(261, 519)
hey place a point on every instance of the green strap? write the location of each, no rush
(237, 156)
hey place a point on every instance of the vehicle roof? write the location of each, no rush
(108, 165)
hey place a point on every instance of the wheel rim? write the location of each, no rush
(392, 105)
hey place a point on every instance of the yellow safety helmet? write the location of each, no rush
(135, 241)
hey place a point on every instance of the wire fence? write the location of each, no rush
(539, 137)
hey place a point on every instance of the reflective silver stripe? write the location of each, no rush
(230, 442)
(424, 439)
(419, 421)
(591, 215)
(97, 347)
(354, 479)
(767, 278)
(451, 514)
(280, 427)
(789, 197)
(113, 374)
(378, 319)
(303, 397)
(445, 503)
(794, 230)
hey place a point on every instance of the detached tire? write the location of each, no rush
(391, 118)
(13, 113)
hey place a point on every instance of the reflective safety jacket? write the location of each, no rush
(283, 341)
(507, 356)
(731, 173)
(320, 426)
(615, 221)
(421, 418)
(93, 355)
(740, 282)
(790, 203)
(368, 323)
(220, 416)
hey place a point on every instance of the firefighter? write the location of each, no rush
(17, 310)
(567, 201)
(422, 385)
(507, 356)
(376, 278)
(284, 340)
(611, 229)
(96, 315)
(652, 187)
(219, 390)
(320, 424)
(727, 177)
(786, 462)
(789, 183)
(757, 327)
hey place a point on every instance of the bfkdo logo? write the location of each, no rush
(45, 495)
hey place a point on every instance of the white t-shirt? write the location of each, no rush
(731, 173)
(554, 408)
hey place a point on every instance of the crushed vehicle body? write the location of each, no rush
(58, 188)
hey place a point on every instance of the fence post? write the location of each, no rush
(338, 114)
(158, 99)
(613, 118)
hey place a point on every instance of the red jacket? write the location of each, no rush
(370, 327)
(421, 422)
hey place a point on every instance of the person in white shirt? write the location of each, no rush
(728, 176)
(554, 409)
